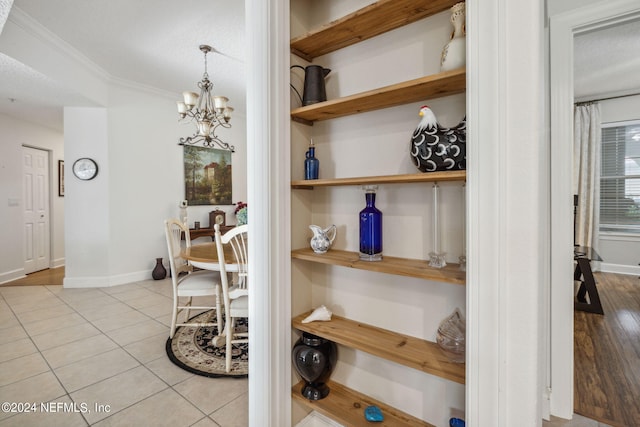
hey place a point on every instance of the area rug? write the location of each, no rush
(191, 349)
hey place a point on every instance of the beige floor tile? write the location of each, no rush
(71, 417)
(108, 311)
(10, 322)
(206, 422)
(100, 300)
(19, 369)
(137, 332)
(166, 408)
(133, 293)
(160, 310)
(48, 311)
(12, 333)
(93, 369)
(120, 321)
(148, 301)
(233, 414)
(576, 421)
(17, 349)
(39, 388)
(49, 325)
(65, 335)
(150, 348)
(78, 350)
(167, 371)
(211, 394)
(118, 392)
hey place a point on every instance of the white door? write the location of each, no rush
(36, 209)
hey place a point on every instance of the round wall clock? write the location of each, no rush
(85, 168)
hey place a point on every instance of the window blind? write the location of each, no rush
(620, 178)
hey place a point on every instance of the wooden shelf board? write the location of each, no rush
(347, 406)
(454, 175)
(409, 351)
(365, 23)
(420, 89)
(391, 265)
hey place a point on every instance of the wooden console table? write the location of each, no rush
(207, 232)
(583, 256)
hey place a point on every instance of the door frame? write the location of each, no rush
(562, 29)
(49, 190)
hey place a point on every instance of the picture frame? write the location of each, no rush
(207, 176)
(60, 178)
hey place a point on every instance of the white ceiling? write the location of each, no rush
(155, 43)
(607, 62)
(149, 42)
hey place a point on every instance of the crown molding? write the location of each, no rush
(53, 41)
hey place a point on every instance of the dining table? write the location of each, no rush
(205, 256)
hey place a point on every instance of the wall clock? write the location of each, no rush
(85, 168)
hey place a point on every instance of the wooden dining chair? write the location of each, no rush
(188, 283)
(235, 296)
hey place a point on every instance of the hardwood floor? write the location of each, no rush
(50, 276)
(607, 354)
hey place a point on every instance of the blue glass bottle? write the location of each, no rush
(311, 164)
(370, 227)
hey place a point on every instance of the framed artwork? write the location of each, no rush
(207, 176)
(60, 178)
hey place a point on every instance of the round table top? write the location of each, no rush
(207, 253)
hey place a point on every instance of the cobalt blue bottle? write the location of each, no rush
(370, 227)
(311, 164)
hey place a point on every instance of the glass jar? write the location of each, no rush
(370, 227)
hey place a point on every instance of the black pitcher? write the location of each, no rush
(314, 89)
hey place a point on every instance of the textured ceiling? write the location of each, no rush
(151, 42)
(607, 61)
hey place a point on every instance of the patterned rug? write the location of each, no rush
(191, 349)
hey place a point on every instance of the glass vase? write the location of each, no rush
(311, 164)
(370, 227)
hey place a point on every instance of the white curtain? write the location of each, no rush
(586, 172)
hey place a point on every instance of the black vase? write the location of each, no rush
(314, 358)
(159, 272)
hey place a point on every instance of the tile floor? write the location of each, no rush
(577, 421)
(103, 349)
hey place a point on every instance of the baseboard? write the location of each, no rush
(57, 263)
(620, 268)
(316, 419)
(106, 281)
(12, 275)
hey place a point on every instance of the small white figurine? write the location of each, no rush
(321, 313)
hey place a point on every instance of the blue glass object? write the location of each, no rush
(311, 164)
(456, 422)
(373, 414)
(370, 227)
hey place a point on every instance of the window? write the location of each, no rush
(620, 177)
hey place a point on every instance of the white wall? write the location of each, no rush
(13, 135)
(620, 252)
(115, 222)
(377, 143)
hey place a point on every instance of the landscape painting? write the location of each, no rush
(207, 176)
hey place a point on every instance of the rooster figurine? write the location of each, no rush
(437, 148)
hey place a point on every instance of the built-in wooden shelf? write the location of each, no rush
(365, 23)
(409, 351)
(347, 407)
(420, 89)
(391, 265)
(443, 176)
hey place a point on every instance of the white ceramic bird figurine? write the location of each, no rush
(435, 147)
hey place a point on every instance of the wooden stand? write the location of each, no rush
(583, 274)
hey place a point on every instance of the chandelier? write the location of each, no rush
(209, 112)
